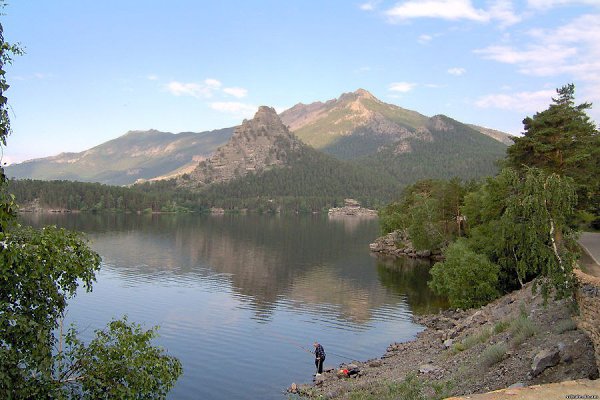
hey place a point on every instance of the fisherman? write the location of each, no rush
(319, 358)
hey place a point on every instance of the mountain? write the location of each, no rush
(500, 136)
(256, 146)
(137, 155)
(264, 160)
(445, 149)
(358, 124)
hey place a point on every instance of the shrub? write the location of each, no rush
(472, 340)
(565, 325)
(521, 329)
(468, 279)
(493, 354)
(501, 326)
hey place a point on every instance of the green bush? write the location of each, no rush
(493, 354)
(501, 326)
(521, 329)
(468, 279)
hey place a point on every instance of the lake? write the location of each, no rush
(238, 296)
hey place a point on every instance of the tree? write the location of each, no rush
(562, 140)
(521, 223)
(468, 279)
(429, 211)
(39, 271)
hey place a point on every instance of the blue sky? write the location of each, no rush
(96, 69)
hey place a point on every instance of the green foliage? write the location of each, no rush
(501, 326)
(521, 223)
(521, 329)
(429, 211)
(98, 371)
(493, 354)
(39, 271)
(467, 278)
(562, 140)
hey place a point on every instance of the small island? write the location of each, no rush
(351, 208)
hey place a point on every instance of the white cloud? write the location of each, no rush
(545, 4)
(235, 108)
(199, 90)
(236, 92)
(423, 39)
(522, 102)
(212, 83)
(444, 9)
(457, 71)
(570, 51)
(502, 10)
(401, 87)
(152, 77)
(454, 10)
(369, 5)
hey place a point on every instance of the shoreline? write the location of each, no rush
(454, 349)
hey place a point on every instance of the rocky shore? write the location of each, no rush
(514, 341)
(398, 244)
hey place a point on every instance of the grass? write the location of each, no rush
(501, 326)
(521, 329)
(410, 388)
(565, 325)
(472, 340)
(493, 354)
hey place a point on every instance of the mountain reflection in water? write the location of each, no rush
(300, 276)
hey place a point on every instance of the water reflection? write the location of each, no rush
(408, 277)
(297, 260)
(226, 289)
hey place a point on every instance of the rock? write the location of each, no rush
(424, 253)
(448, 343)
(516, 385)
(257, 145)
(544, 359)
(375, 363)
(293, 388)
(428, 369)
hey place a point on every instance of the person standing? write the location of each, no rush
(319, 358)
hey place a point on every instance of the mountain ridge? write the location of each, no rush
(355, 126)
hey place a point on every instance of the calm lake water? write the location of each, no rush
(236, 296)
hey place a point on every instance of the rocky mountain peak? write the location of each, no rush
(265, 117)
(364, 94)
(256, 146)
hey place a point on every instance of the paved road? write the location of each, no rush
(591, 243)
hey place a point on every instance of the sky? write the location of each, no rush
(94, 70)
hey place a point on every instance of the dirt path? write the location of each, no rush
(590, 260)
(579, 389)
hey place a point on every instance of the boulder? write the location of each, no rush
(544, 359)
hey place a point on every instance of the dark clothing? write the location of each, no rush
(319, 358)
(319, 365)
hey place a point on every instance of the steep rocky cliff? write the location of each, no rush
(258, 145)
